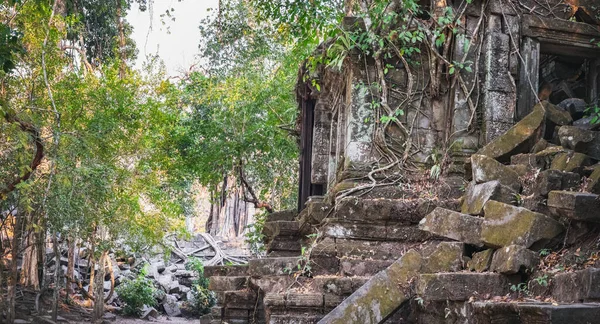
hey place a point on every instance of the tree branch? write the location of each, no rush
(254, 200)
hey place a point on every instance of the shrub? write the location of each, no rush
(136, 293)
(203, 299)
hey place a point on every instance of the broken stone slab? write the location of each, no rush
(460, 286)
(593, 181)
(445, 257)
(520, 138)
(570, 162)
(148, 312)
(555, 116)
(171, 306)
(478, 194)
(379, 297)
(453, 225)
(580, 140)
(506, 225)
(487, 169)
(550, 180)
(575, 205)
(481, 261)
(513, 259)
(578, 286)
(574, 106)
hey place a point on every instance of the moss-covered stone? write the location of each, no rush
(518, 139)
(445, 257)
(580, 140)
(513, 259)
(487, 169)
(478, 194)
(453, 225)
(506, 225)
(481, 261)
(593, 181)
(570, 162)
(460, 286)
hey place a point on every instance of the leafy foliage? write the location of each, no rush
(203, 299)
(136, 293)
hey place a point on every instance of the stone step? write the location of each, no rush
(288, 244)
(402, 211)
(226, 283)
(362, 249)
(374, 231)
(539, 313)
(284, 215)
(281, 228)
(229, 270)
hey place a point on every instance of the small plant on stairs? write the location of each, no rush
(304, 264)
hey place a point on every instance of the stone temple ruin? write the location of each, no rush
(506, 234)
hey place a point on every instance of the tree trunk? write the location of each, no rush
(70, 267)
(57, 270)
(99, 289)
(29, 270)
(12, 277)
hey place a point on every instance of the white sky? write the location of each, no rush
(177, 49)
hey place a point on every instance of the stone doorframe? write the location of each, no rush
(559, 37)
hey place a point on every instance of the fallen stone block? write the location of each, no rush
(518, 139)
(550, 180)
(575, 106)
(487, 169)
(171, 306)
(593, 181)
(381, 296)
(586, 124)
(478, 194)
(513, 259)
(532, 161)
(480, 262)
(575, 205)
(506, 225)
(453, 225)
(580, 140)
(570, 162)
(445, 257)
(582, 285)
(460, 286)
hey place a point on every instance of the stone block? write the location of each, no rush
(574, 287)
(550, 180)
(227, 283)
(532, 312)
(513, 259)
(240, 299)
(497, 48)
(575, 205)
(570, 162)
(284, 215)
(333, 285)
(580, 140)
(271, 284)
(574, 106)
(487, 169)
(445, 257)
(284, 228)
(379, 297)
(478, 194)
(453, 225)
(271, 266)
(593, 181)
(481, 261)
(520, 138)
(231, 270)
(407, 211)
(506, 225)
(358, 267)
(530, 160)
(303, 299)
(460, 286)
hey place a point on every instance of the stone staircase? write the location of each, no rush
(357, 240)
